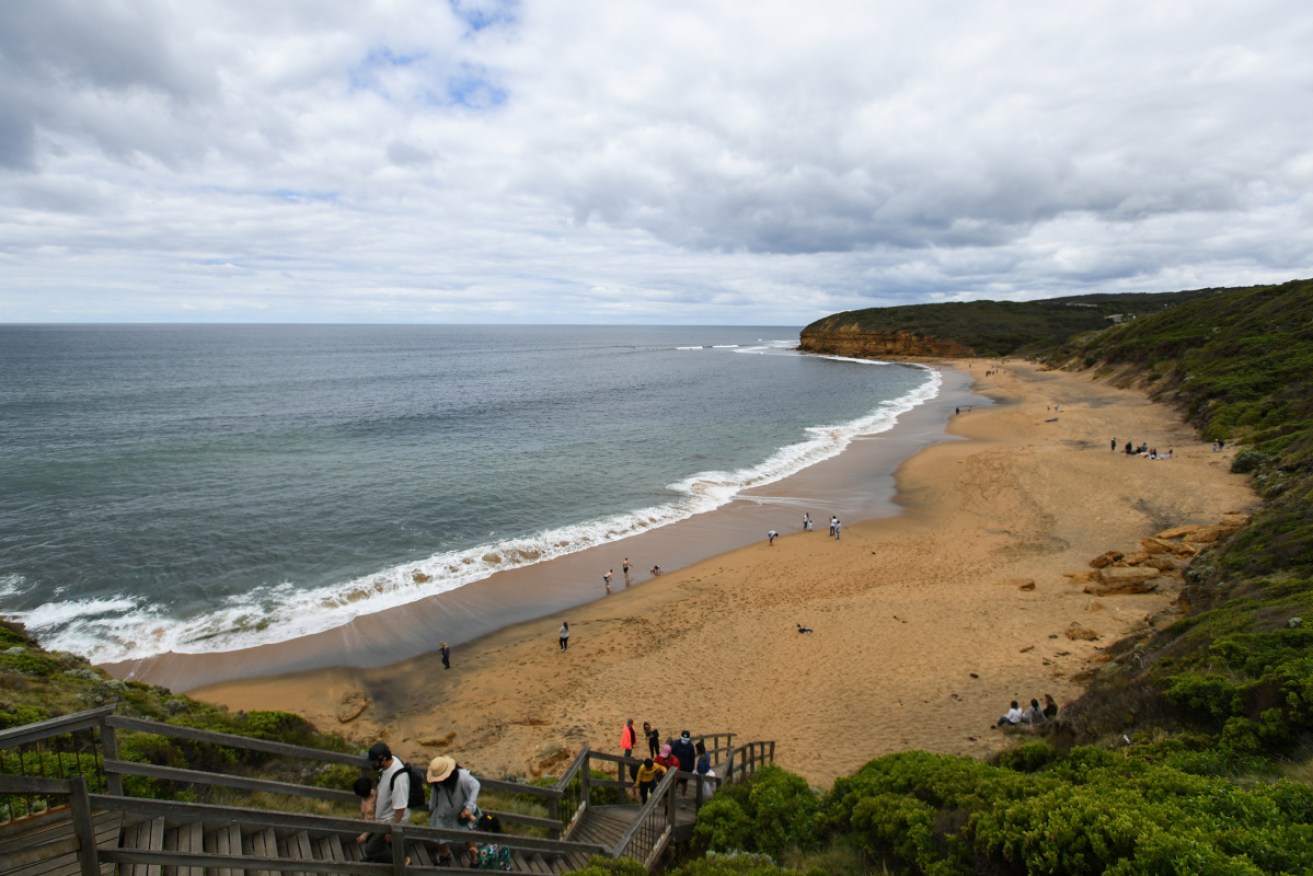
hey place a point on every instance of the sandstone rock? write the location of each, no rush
(1081, 577)
(420, 578)
(1078, 633)
(1177, 532)
(1158, 545)
(352, 706)
(550, 760)
(1134, 558)
(1028, 584)
(437, 741)
(1208, 534)
(1106, 559)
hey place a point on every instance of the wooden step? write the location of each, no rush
(224, 840)
(186, 838)
(260, 844)
(146, 834)
(46, 844)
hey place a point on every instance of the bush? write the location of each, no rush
(1247, 461)
(722, 826)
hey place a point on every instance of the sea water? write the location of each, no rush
(207, 488)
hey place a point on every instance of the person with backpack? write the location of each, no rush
(453, 804)
(391, 802)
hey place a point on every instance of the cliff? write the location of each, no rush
(851, 339)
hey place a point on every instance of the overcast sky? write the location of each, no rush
(624, 161)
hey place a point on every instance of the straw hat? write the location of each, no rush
(440, 767)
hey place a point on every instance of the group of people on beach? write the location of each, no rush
(680, 754)
(1031, 715)
(1142, 449)
(625, 570)
(452, 795)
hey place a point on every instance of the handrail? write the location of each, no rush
(15, 736)
(231, 740)
(199, 777)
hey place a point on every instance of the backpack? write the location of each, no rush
(494, 857)
(419, 797)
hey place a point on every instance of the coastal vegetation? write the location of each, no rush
(982, 328)
(1191, 750)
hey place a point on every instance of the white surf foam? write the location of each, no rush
(116, 629)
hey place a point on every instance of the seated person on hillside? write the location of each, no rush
(1033, 714)
(1050, 707)
(1012, 717)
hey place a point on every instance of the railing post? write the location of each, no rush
(80, 806)
(586, 780)
(109, 746)
(398, 850)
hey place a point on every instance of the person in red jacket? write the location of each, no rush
(628, 737)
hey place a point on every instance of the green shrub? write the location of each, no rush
(722, 826)
(1247, 461)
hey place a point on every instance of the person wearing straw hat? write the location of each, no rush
(453, 803)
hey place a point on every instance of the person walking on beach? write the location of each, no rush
(565, 636)
(1113, 443)
(771, 535)
(606, 579)
(806, 521)
(445, 650)
(838, 529)
(653, 739)
(834, 521)
(624, 569)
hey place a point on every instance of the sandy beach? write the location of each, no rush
(925, 624)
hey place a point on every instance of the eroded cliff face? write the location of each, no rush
(854, 341)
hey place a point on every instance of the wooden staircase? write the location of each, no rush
(231, 849)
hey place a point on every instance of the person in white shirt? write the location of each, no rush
(390, 804)
(1012, 717)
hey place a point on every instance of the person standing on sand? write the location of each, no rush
(624, 569)
(628, 737)
(833, 522)
(565, 636)
(806, 521)
(653, 739)
(445, 650)
(1113, 443)
(838, 530)
(606, 579)
(771, 535)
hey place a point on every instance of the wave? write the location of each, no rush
(126, 628)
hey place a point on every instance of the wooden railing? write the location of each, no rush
(78, 756)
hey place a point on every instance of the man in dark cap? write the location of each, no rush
(391, 804)
(683, 750)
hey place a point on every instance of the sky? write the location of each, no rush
(636, 162)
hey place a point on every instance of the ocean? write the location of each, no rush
(197, 489)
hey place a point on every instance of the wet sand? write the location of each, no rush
(857, 485)
(925, 623)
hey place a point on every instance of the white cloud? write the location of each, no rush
(640, 162)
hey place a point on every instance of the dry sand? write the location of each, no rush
(923, 631)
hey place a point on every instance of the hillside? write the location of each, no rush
(979, 328)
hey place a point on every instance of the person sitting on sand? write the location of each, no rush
(1050, 707)
(1033, 713)
(1013, 716)
(804, 630)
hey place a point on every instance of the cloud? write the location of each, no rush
(593, 162)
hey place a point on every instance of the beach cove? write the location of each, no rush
(925, 623)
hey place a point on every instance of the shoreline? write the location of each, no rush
(858, 484)
(926, 624)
